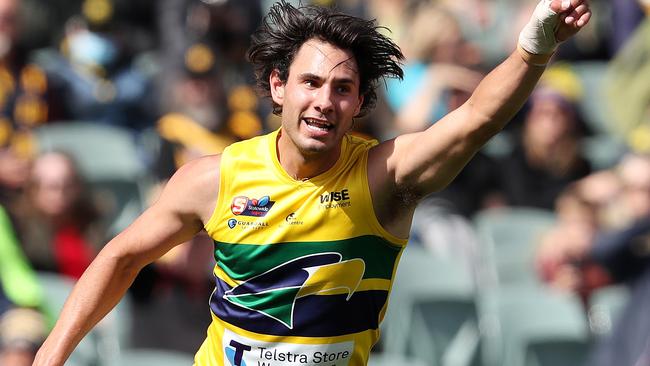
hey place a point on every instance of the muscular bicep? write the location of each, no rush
(425, 162)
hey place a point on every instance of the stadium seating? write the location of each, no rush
(105, 342)
(385, 359)
(508, 240)
(154, 357)
(526, 325)
(432, 311)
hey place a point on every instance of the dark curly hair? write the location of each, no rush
(284, 30)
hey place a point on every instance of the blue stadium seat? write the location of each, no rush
(106, 340)
(527, 325)
(508, 241)
(432, 310)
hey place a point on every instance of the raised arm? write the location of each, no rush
(186, 202)
(414, 165)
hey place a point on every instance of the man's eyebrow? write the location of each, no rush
(311, 76)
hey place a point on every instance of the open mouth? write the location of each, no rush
(319, 125)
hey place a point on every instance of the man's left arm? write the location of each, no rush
(425, 162)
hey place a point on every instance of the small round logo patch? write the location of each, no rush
(232, 223)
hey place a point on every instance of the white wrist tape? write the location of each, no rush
(538, 36)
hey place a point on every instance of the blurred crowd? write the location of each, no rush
(172, 75)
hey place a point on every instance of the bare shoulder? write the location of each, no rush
(383, 160)
(194, 188)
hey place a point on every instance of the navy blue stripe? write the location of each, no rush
(313, 316)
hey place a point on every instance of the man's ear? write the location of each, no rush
(277, 87)
(358, 109)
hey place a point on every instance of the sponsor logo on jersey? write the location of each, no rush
(242, 205)
(232, 223)
(247, 225)
(235, 353)
(335, 199)
(274, 292)
(292, 219)
(243, 351)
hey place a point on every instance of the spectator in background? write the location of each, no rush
(626, 17)
(625, 253)
(206, 100)
(22, 326)
(604, 223)
(27, 100)
(196, 121)
(223, 25)
(627, 92)
(57, 222)
(547, 156)
(99, 76)
(437, 69)
(582, 209)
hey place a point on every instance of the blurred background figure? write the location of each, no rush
(438, 69)
(196, 123)
(101, 78)
(22, 326)
(601, 238)
(583, 209)
(625, 252)
(626, 92)
(27, 100)
(626, 17)
(207, 100)
(57, 222)
(547, 154)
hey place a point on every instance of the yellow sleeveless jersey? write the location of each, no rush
(303, 268)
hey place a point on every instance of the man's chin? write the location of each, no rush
(315, 147)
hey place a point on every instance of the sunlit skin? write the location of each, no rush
(319, 100)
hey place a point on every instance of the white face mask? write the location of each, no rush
(91, 48)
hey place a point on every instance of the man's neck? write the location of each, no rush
(300, 165)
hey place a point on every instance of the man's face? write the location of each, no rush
(319, 98)
(549, 122)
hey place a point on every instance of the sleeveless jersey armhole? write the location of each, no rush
(372, 217)
(224, 167)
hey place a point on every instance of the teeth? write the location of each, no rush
(318, 124)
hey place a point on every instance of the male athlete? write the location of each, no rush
(309, 221)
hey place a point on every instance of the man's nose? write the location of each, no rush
(324, 99)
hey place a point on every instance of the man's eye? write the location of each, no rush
(343, 89)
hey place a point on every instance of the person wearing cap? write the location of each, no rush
(309, 221)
